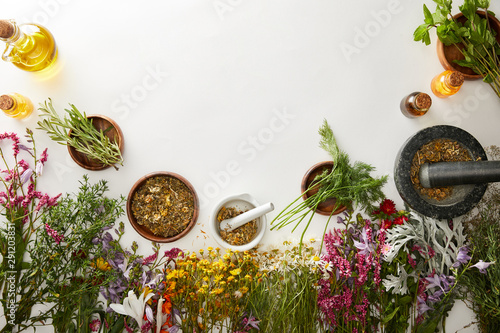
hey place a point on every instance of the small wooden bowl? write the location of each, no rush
(101, 123)
(144, 231)
(327, 206)
(448, 53)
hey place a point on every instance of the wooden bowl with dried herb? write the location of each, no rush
(162, 206)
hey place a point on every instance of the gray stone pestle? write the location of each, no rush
(459, 173)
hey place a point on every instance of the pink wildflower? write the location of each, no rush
(411, 261)
(431, 252)
(150, 259)
(13, 137)
(95, 325)
(57, 238)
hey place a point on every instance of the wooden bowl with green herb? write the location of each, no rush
(326, 207)
(111, 130)
(94, 142)
(448, 54)
(162, 206)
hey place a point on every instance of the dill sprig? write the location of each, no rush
(85, 138)
(349, 184)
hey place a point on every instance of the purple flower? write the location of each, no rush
(434, 281)
(436, 297)
(365, 245)
(26, 175)
(462, 257)
(422, 306)
(481, 265)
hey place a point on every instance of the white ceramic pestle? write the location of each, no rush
(252, 214)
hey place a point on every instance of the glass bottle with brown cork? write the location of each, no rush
(447, 83)
(16, 105)
(30, 47)
(416, 104)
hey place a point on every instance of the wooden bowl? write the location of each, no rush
(448, 53)
(101, 123)
(327, 206)
(143, 230)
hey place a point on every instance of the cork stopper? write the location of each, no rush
(423, 101)
(6, 102)
(6, 29)
(456, 79)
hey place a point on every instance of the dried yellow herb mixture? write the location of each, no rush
(164, 205)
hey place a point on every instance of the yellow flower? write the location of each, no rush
(236, 271)
(101, 265)
(210, 248)
(248, 277)
(231, 278)
(218, 277)
(218, 291)
(243, 290)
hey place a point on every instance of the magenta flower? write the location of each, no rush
(95, 325)
(481, 265)
(173, 253)
(150, 259)
(57, 238)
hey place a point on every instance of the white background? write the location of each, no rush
(199, 85)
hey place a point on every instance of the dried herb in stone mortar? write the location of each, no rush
(164, 205)
(239, 236)
(439, 150)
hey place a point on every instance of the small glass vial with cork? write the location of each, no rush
(16, 105)
(416, 104)
(447, 83)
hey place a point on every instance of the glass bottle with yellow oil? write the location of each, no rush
(447, 83)
(30, 47)
(16, 105)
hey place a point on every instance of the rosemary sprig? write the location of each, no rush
(350, 185)
(85, 138)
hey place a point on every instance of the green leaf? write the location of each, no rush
(421, 33)
(483, 3)
(428, 18)
(405, 300)
(389, 317)
(440, 16)
(469, 9)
